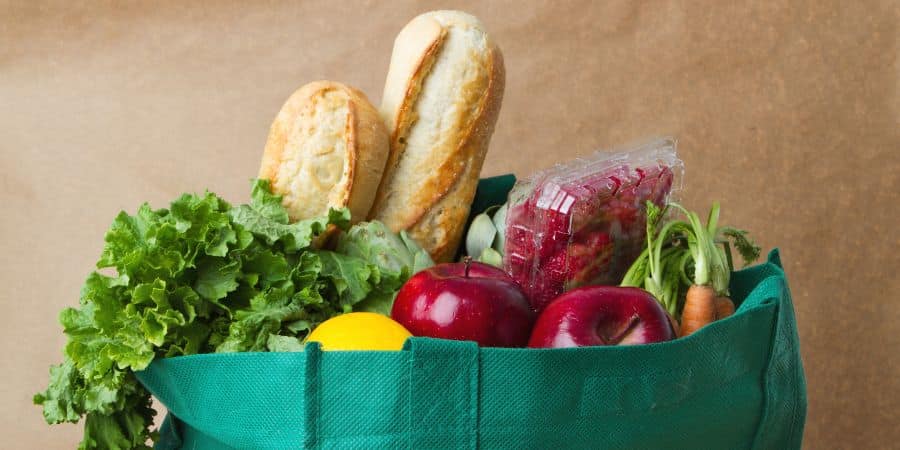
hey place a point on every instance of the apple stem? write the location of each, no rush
(468, 261)
(635, 319)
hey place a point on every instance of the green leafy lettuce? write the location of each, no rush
(395, 257)
(203, 276)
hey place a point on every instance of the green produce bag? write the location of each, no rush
(737, 383)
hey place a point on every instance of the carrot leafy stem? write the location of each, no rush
(685, 251)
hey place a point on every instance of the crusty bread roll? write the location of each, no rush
(441, 100)
(326, 149)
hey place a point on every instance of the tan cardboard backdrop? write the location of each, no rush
(787, 112)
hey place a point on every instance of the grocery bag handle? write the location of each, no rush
(443, 393)
(312, 353)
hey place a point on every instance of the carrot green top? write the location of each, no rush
(680, 253)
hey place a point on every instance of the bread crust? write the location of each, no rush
(438, 145)
(327, 148)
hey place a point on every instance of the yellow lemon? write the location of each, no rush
(360, 331)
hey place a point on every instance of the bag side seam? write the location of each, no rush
(764, 383)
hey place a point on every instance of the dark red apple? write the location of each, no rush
(467, 302)
(602, 315)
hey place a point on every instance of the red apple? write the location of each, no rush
(465, 301)
(602, 315)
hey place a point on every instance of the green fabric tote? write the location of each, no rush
(737, 383)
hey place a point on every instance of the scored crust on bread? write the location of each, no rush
(326, 148)
(441, 101)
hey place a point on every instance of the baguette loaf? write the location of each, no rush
(441, 100)
(326, 149)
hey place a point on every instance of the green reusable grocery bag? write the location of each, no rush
(736, 383)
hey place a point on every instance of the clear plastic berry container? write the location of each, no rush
(584, 221)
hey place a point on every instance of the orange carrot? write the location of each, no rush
(699, 308)
(724, 307)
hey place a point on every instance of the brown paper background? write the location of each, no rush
(786, 112)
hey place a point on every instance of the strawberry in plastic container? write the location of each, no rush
(583, 222)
